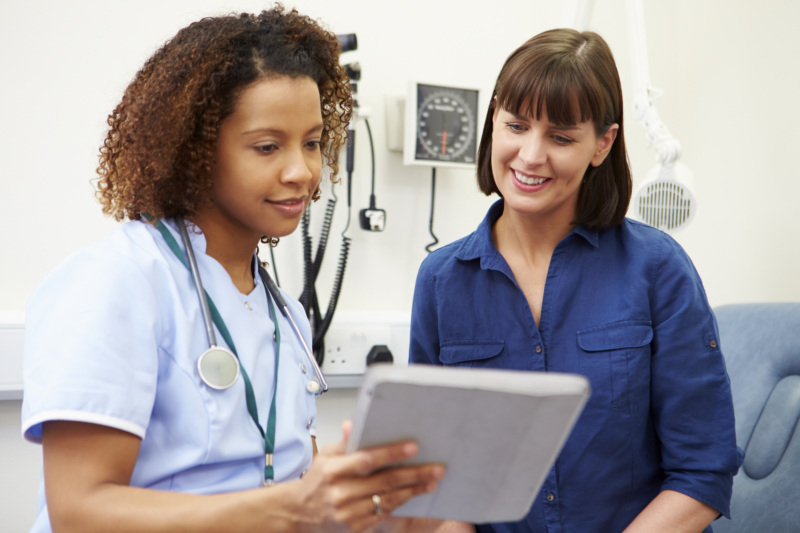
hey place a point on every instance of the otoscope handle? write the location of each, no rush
(351, 149)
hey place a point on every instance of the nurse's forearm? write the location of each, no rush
(424, 525)
(674, 512)
(88, 468)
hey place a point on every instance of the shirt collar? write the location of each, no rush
(479, 245)
(591, 236)
(198, 240)
(196, 236)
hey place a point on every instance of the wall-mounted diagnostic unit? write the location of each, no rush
(441, 126)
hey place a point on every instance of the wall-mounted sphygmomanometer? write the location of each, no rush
(440, 130)
(441, 126)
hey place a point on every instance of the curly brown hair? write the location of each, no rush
(160, 148)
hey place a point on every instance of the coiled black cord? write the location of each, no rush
(324, 325)
(308, 266)
(323, 238)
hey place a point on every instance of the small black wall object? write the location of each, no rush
(379, 353)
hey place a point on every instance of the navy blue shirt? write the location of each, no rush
(625, 308)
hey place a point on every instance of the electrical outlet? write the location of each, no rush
(347, 346)
(352, 335)
(12, 336)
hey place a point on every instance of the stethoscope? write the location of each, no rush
(219, 367)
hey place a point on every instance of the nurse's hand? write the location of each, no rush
(336, 494)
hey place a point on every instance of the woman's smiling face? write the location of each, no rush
(268, 160)
(538, 166)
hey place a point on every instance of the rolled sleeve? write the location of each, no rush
(691, 396)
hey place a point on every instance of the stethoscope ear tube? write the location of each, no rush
(320, 385)
(212, 338)
(218, 367)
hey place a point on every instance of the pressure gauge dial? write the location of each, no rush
(443, 126)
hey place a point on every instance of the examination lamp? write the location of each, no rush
(665, 199)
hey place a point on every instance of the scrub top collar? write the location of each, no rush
(199, 244)
(196, 235)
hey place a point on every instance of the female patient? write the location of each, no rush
(557, 279)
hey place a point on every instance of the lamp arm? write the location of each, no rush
(577, 13)
(668, 150)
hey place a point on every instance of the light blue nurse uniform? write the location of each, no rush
(113, 336)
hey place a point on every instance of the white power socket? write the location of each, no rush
(353, 334)
(12, 336)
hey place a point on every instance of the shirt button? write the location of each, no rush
(550, 497)
(303, 368)
(538, 348)
(308, 425)
(713, 344)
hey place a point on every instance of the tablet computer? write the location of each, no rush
(497, 432)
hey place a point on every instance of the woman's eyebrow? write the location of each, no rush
(277, 131)
(563, 127)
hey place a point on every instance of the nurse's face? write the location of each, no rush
(538, 166)
(268, 159)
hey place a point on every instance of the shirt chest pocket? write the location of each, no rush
(471, 353)
(613, 355)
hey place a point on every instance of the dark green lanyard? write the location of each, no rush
(252, 407)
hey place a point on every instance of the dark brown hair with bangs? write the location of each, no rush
(573, 77)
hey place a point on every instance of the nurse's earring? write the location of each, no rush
(271, 241)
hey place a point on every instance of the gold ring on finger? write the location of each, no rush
(376, 504)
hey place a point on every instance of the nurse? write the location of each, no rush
(218, 144)
(557, 279)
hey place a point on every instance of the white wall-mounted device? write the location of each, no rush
(12, 335)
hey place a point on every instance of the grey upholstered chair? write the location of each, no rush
(761, 344)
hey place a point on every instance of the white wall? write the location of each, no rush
(727, 68)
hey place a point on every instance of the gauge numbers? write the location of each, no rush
(446, 130)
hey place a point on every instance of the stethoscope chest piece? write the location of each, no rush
(218, 368)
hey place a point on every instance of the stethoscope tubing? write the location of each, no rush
(273, 290)
(204, 309)
(276, 295)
